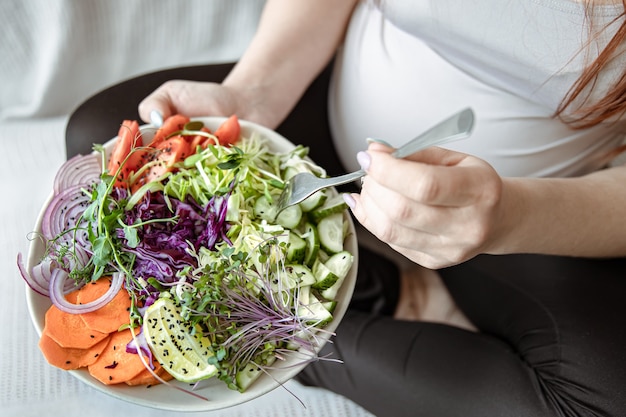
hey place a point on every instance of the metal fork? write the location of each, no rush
(301, 186)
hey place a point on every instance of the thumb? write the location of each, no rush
(156, 107)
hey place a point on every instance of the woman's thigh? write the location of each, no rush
(563, 316)
(548, 345)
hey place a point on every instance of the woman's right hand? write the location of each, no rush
(194, 98)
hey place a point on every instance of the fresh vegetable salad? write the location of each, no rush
(167, 259)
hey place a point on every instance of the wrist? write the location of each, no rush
(262, 96)
(513, 224)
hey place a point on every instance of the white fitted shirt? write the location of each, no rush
(416, 62)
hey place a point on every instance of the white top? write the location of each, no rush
(511, 61)
(57, 53)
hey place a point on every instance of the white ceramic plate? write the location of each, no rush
(218, 395)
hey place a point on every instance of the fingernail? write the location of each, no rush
(156, 118)
(382, 142)
(364, 160)
(350, 201)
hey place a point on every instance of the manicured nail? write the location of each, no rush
(382, 142)
(156, 118)
(350, 201)
(364, 160)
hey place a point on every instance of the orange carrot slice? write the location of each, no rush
(69, 330)
(69, 358)
(145, 377)
(110, 317)
(115, 365)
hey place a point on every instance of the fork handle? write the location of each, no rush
(458, 126)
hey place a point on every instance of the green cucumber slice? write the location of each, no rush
(331, 233)
(340, 265)
(311, 310)
(312, 238)
(301, 274)
(324, 277)
(332, 205)
(290, 217)
(296, 248)
(250, 373)
(263, 209)
(317, 199)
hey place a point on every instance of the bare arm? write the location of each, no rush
(583, 216)
(294, 42)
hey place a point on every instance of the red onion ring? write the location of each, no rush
(79, 170)
(38, 278)
(57, 293)
(36, 281)
(64, 209)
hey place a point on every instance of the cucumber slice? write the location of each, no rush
(324, 277)
(232, 209)
(296, 248)
(311, 310)
(294, 276)
(312, 238)
(332, 205)
(314, 201)
(290, 172)
(245, 377)
(331, 233)
(330, 305)
(301, 274)
(250, 373)
(290, 217)
(263, 209)
(340, 265)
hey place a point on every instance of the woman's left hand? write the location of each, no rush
(437, 207)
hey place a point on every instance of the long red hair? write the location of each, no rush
(613, 104)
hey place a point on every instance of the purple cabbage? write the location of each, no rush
(163, 245)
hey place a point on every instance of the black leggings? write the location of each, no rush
(551, 343)
(552, 338)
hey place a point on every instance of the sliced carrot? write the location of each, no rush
(228, 132)
(110, 317)
(145, 377)
(69, 358)
(72, 297)
(172, 124)
(128, 139)
(115, 365)
(69, 330)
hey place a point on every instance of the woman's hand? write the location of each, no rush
(438, 208)
(194, 98)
